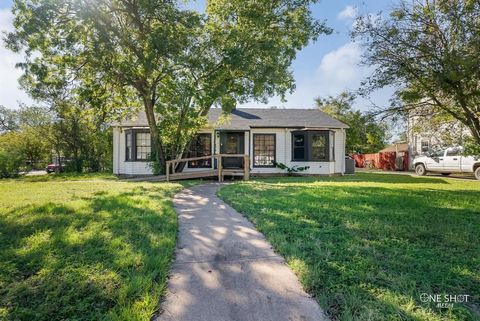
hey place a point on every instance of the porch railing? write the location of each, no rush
(219, 171)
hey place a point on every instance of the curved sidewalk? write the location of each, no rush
(225, 270)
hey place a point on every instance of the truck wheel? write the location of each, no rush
(477, 173)
(420, 170)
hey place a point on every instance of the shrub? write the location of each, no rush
(291, 170)
(10, 163)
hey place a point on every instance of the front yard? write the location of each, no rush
(368, 246)
(84, 248)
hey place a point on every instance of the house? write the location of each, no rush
(427, 133)
(302, 137)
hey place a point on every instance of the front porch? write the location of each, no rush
(221, 165)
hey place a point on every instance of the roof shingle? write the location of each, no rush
(245, 118)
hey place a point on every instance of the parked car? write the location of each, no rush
(447, 161)
(52, 168)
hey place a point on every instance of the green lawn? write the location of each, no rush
(367, 246)
(84, 247)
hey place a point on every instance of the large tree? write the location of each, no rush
(429, 51)
(173, 62)
(365, 133)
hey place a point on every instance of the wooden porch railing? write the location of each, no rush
(219, 171)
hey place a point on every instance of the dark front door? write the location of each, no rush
(232, 143)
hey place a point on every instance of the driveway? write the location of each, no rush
(225, 269)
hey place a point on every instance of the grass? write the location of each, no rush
(88, 249)
(367, 246)
(67, 177)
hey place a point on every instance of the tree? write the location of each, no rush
(160, 57)
(8, 120)
(429, 51)
(365, 134)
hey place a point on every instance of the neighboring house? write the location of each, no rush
(302, 137)
(426, 134)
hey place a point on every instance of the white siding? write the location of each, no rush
(339, 144)
(280, 155)
(283, 153)
(120, 166)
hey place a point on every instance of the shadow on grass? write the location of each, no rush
(360, 177)
(368, 253)
(107, 259)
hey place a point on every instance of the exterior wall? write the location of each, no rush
(120, 166)
(283, 153)
(420, 132)
(323, 168)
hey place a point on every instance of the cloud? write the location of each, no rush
(339, 69)
(10, 93)
(348, 13)
(336, 71)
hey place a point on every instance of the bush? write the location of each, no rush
(10, 163)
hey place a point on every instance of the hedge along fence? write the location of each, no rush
(384, 160)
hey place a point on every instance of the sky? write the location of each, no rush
(323, 68)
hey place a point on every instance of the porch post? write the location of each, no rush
(220, 171)
(246, 167)
(168, 171)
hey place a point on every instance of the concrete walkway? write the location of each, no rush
(225, 270)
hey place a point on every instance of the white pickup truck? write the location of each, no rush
(447, 161)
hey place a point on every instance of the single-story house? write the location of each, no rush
(302, 137)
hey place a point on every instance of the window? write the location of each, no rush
(438, 153)
(128, 137)
(425, 146)
(200, 146)
(455, 151)
(319, 147)
(312, 146)
(137, 145)
(263, 150)
(299, 146)
(142, 146)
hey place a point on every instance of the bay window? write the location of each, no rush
(312, 146)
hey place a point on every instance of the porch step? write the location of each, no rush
(196, 174)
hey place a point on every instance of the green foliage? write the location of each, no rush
(8, 120)
(12, 160)
(80, 136)
(291, 170)
(161, 57)
(429, 52)
(67, 131)
(89, 249)
(365, 134)
(471, 147)
(23, 149)
(367, 246)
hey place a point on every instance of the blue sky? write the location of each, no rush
(323, 68)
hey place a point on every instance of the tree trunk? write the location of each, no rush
(158, 155)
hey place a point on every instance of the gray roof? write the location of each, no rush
(246, 118)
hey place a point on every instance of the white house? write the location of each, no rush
(427, 135)
(302, 137)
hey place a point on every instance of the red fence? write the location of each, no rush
(385, 161)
